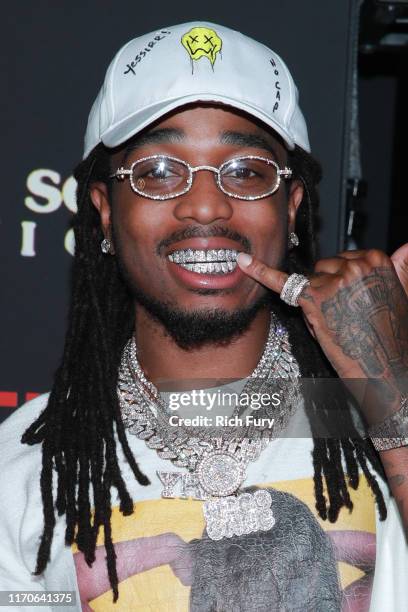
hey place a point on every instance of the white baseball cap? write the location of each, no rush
(194, 62)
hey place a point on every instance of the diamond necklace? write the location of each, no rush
(216, 465)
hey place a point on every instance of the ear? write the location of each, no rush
(295, 197)
(100, 199)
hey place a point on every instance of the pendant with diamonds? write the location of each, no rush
(220, 473)
(235, 516)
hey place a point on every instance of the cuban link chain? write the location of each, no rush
(216, 462)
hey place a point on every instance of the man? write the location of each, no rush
(196, 206)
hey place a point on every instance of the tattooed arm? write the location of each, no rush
(377, 339)
(357, 310)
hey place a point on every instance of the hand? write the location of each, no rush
(400, 261)
(357, 310)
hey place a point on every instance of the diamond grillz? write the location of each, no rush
(212, 261)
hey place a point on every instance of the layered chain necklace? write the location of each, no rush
(215, 459)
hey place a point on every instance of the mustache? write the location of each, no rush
(195, 231)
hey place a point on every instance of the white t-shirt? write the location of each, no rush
(166, 562)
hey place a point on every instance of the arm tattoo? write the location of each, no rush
(369, 319)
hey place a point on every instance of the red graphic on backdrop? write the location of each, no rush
(9, 399)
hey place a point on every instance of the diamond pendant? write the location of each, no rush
(226, 516)
(246, 513)
(220, 473)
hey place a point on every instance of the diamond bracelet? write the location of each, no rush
(393, 431)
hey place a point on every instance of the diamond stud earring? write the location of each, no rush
(293, 239)
(106, 246)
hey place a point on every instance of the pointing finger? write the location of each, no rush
(273, 279)
(400, 261)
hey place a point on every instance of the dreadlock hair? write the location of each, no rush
(330, 453)
(81, 422)
(78, 425)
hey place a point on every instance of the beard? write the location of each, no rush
(191, 329)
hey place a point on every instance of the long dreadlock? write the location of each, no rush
(77, 428)
(328, 452)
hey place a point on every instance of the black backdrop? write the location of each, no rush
(55, 56)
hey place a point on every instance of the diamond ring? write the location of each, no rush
(292, 289)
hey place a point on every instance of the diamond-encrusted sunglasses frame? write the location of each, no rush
(121, 173)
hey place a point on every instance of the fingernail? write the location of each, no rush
(244, 260)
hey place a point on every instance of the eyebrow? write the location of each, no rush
(249, 139)
(163, 135)
(175, 136)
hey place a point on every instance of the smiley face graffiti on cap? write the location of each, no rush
(202, 42)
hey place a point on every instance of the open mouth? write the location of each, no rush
(205, 261)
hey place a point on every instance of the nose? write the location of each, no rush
(205, 202)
